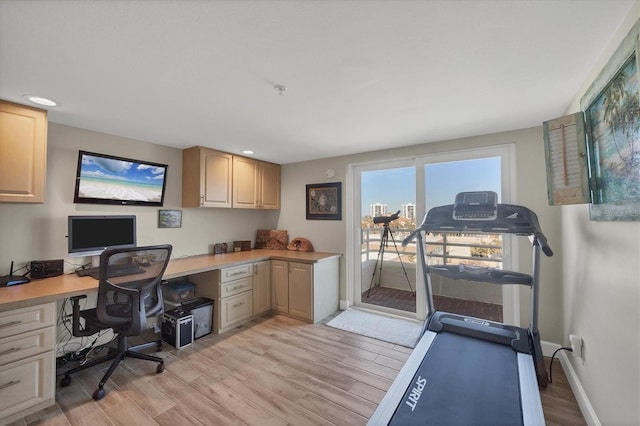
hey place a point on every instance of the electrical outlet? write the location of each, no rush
(576, 345)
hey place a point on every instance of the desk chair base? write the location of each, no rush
(117, 356)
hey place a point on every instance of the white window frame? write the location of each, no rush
(510, 293)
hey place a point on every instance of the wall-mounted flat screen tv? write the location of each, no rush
(106, 179)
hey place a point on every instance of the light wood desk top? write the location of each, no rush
(68, 285)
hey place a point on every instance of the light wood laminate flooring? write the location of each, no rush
(271, 371)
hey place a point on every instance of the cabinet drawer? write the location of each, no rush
(26, 319)
(236, 287)
(230, 274)
(26, 383)
(25, 345)
(236, 308)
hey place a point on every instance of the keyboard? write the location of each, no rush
(113, 271)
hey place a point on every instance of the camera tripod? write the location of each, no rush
(384, 241)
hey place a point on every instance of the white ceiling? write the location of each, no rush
(359, 75)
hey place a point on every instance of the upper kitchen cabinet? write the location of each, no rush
(23, 153)
(206, 178)
(256, 184)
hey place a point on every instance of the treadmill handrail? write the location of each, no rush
(510, 219)
(480, 274)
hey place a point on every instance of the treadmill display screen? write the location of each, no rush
(477, 205)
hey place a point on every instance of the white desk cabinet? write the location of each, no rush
(27, 360)
(307, 291)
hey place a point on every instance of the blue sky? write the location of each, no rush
(395, 187)
(107, 168)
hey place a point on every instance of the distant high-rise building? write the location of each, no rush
(377, 209)
(409, 211)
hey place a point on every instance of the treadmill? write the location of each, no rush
(467, 370)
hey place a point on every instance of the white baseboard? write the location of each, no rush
(588, 412)
(586, 408)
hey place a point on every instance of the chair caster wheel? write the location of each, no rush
(98, 394)
(66, 381)
(159, 347)
(160, 368)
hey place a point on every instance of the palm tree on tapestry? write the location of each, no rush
(612, 104)
(621, 112)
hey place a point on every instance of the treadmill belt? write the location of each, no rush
(463, 380)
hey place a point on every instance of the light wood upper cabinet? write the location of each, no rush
(217, 179)
(245, 182)
(206, 178)
(23, 153)
(256, 184)
(269, 188)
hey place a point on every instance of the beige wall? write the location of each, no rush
(601, 295)
(590, 287)
(530, 188)
(37, 231)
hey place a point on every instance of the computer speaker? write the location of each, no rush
(46, 268)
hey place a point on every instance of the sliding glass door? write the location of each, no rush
(391, 199)
(387, 216)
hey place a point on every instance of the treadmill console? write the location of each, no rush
(477, 205)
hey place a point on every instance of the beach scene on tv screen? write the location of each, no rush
(111, 179)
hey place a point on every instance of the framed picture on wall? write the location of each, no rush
(324, 201)
(169, 218)
(612, 116)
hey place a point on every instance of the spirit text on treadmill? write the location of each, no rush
(416, 392)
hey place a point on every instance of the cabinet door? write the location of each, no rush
(23, 153)
(261, 287)
(245, 189)
(206, 178)
(269, 193)
(26, 384)
(236, 308)
(216, 178)
(280, 286)
(301, 290)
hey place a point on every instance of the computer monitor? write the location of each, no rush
(91, 235)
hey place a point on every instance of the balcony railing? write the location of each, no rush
(442, 249)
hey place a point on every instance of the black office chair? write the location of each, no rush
(128, 293)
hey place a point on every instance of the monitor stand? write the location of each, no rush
(95, 261)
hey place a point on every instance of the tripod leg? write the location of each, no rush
(383, 244)
(401, 264)
(375, 267)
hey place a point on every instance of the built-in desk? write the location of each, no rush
(52, 289)
(28, 311)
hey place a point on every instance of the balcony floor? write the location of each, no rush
(405, 300)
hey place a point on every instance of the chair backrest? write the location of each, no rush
(129, 286)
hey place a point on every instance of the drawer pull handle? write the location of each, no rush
(9, 324)
(238, 304)
(8, 351)
(11, 383)
(235, 273)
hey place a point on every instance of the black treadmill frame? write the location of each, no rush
(510, 219)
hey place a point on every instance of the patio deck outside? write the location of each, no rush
(391, 288)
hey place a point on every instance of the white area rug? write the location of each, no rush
(393, 330)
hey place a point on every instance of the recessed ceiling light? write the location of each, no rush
(40, 100)
(247, 151)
